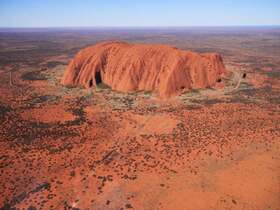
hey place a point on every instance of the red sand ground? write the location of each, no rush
(48, 114)
(100, 149)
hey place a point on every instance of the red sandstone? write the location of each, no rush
(130, 67)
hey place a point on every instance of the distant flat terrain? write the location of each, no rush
(76, 148)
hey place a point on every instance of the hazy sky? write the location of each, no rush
(46, 13)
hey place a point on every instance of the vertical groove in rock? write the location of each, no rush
(129, 67)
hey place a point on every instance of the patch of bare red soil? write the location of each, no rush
(48, 114)
(258, 80)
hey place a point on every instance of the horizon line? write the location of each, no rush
(187, 26)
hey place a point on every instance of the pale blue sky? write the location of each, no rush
(69, 13)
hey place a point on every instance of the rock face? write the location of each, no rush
(129, 67)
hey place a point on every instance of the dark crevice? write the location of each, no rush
(98, 78)
(90, 83)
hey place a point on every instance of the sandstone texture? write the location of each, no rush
(162, 69)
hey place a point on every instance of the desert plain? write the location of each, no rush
(97, 148)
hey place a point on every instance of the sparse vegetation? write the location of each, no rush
(62, 147)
